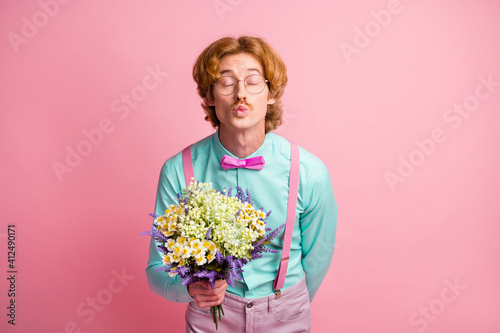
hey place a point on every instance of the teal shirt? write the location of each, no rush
(315, 220)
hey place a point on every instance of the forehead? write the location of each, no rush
(239, 63)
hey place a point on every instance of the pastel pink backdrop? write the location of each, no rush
(367, 79)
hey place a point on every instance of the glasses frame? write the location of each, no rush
(236, 84)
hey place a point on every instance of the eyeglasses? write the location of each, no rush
(254, 83)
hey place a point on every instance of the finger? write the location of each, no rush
(201, 285)
(209, 301)
(219, 283)
(221, 288)
(210, 292)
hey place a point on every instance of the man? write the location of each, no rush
(241, 82)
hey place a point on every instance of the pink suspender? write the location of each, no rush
(293, 189)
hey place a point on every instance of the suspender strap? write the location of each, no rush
(293, 189)
(187, 164)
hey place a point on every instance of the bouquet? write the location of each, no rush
(211, 235)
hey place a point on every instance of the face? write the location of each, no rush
(241, 110)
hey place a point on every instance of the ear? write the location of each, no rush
(271, 101)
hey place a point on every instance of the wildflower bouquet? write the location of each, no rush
(210, 235)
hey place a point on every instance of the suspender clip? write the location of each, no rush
(278, 293)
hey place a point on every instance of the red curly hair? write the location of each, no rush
(205, 74)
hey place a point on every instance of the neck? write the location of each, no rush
(241, 143)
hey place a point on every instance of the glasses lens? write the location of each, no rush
(255, 83)
(225, 85)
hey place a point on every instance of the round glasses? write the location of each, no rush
(226, 85)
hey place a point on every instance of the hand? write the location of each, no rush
(204, 295)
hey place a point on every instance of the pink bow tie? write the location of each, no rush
(255, 163)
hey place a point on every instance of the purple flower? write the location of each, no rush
(183, 270)
(207, 236)
(249, 198)
(161, 249)
(188, 280)
(229, 279)
(158, 236)
(164, 268)
(219, 257)
(239, 194)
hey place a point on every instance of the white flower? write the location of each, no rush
(170, 245)
(175, 257)
(166, 259)
(186, 252)
(201, 259)
(196, 244)
(205, 245)
(172, 274)
(210, 257)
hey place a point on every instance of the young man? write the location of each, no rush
(241, 82)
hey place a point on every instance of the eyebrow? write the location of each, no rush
(248, 69)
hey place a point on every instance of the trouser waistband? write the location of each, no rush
(263, 303)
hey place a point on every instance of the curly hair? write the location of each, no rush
(205, 74)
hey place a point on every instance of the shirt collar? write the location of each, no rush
(220, 150)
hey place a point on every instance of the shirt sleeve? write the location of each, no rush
(318, 225)
(160, 282)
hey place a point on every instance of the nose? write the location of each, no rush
(241, 90)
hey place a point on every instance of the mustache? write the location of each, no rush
(249, 106)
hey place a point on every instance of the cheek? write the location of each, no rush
(262, 104)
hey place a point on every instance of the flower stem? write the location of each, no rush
(217, 313)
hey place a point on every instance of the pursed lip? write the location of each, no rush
(241, 108)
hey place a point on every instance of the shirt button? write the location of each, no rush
(249, 305)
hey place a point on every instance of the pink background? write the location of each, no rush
(401, 246)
